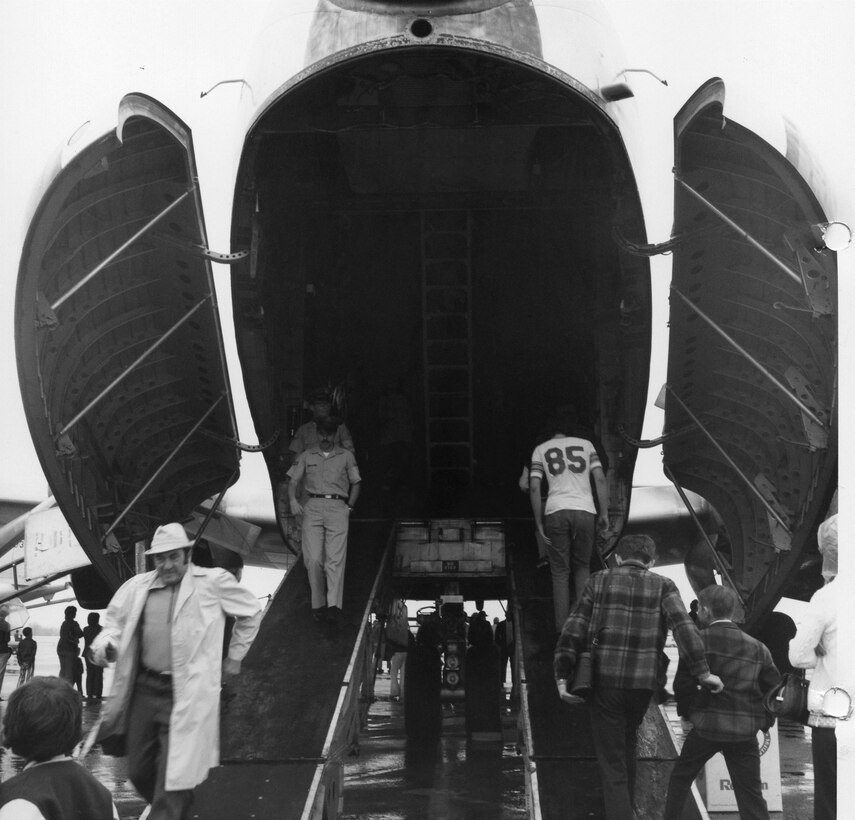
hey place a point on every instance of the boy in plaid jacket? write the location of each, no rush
(726, 722)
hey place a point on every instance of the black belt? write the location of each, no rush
(328, 495)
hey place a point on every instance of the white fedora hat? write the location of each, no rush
(167, 538)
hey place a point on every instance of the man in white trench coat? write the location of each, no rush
(165, 629)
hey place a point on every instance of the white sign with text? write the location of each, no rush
(50, 545)
(719, 788)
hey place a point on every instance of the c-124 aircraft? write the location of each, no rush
(447, 197)
(438, 196)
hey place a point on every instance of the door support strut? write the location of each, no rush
(748, 483)
(162, 467)
(743, 352)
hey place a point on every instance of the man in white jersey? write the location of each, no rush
(567, 523)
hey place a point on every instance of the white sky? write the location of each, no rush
(63, 60)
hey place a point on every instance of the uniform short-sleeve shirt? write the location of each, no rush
(566, 463)
(330, 474)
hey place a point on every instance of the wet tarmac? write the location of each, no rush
(388, 781)
(391, 780)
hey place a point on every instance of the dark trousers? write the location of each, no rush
(148, 748)
(94, 680)
(67, 664)
(824, 749)
(743, 764)
(616, 715)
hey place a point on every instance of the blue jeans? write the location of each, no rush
(572, 535)
(743, 764)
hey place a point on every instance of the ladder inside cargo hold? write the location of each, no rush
(447, 344)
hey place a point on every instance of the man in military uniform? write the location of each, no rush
(332, 484)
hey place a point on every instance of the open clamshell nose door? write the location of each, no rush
(751, 398)
(122, 364)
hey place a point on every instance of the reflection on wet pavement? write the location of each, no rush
(392, 779)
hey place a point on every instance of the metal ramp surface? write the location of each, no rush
(564, 776)
(295, 710)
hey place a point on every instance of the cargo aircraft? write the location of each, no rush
(454, 198)
(446, 197)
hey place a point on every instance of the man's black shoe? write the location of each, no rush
(333, 615)
(319, 614)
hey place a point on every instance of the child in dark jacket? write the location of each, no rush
(43, 724)
(726, 722)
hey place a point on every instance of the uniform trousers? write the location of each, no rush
(325, 524)
(397, 667)
(743, 764)
(572, 535)
(616, 715)
(148, 747)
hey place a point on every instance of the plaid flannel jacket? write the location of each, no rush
(746, 668)
(630, 610)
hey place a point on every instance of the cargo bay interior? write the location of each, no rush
(441, 226)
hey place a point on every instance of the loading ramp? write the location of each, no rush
(295, 713)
